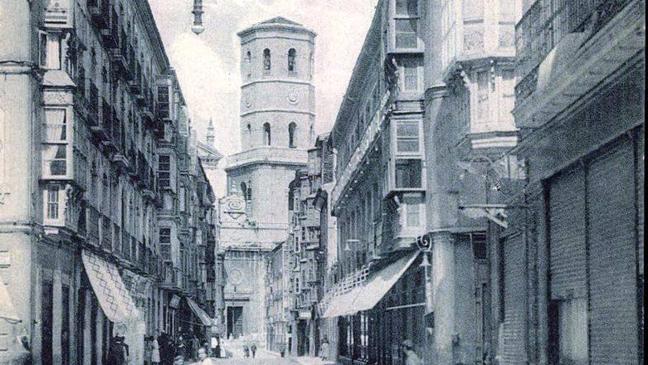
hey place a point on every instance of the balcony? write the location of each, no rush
(135, 82)
(585, 40)
(119, 56)
(99, 12)
(93, 106)
(93, 226)
(102, 129)
(369, 138)
(106, 233)
(173, 278)
(110, 35)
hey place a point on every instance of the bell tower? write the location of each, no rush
(277, 94)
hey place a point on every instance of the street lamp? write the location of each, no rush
(197, 11)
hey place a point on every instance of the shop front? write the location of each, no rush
(376, 316)
(109, 312)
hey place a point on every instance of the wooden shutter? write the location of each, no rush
(613, 298)
(514, 333)
(567, 235)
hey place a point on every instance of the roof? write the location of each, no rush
(277, 22)
(280, 20)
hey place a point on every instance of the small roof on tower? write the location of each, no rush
(278, 22)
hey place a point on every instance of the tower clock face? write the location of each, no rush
(235, 277)
(248, 102)
(292, 97)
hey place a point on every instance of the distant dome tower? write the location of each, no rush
(277, 117)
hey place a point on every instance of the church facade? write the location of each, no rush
(276, 126)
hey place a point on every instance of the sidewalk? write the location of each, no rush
(308, 360)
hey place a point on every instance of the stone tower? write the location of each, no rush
(277, 117)
(276, 126)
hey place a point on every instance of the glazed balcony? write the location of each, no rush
(102, 129)
(99, 12)
(586, 40)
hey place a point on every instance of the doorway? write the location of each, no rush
(234, 322)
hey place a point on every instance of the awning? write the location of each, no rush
(113, 297)
(367, 295)
(201, 314)
(7, 309)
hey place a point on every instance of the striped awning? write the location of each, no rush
(367, 295)
(205, 319)
(112, 294)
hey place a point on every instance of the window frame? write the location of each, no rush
(406, 17)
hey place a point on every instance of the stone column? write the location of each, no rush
(443, 281)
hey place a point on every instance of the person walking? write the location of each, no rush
(411, 358)
(246, 351)
(202, 357)
(253, 348)
(155, 351)
(324, 349)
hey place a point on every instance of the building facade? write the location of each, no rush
(277, 116)
(277, 300)
(91, 176)
(307, 264)
(567, 271)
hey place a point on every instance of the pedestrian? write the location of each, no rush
(117, 353)
(155, 351)
(324, 349)
(246, 351)
(178, 360)
(411, 358)
(202, 357)
(180, 348)
(253, 348)
(195, 346)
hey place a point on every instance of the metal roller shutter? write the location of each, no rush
(640, 197)
(613, 296)
(514, 333)
(567, 235)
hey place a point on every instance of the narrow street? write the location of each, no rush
(266, 361)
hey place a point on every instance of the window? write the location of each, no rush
(47, 321)
(248, 57)
(406, 33)
(267, 61)
(55, 143)
(413, 212)
(165, 243)
(163, 101)
(483, 109)
(407, 137)
(42, 48)
(297, 288)
(267, 136)
(410, 75)
(408, 173)
(53, 202)
(164, 170)
(292, 54)
(291, 134)
(407, 7)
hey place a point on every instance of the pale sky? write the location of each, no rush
(208, 64)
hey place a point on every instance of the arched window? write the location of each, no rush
(267, 134)
(248, 62)
(292, 54)
(291, 134)
(244, 190)
(248, 57)
(267, 62)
